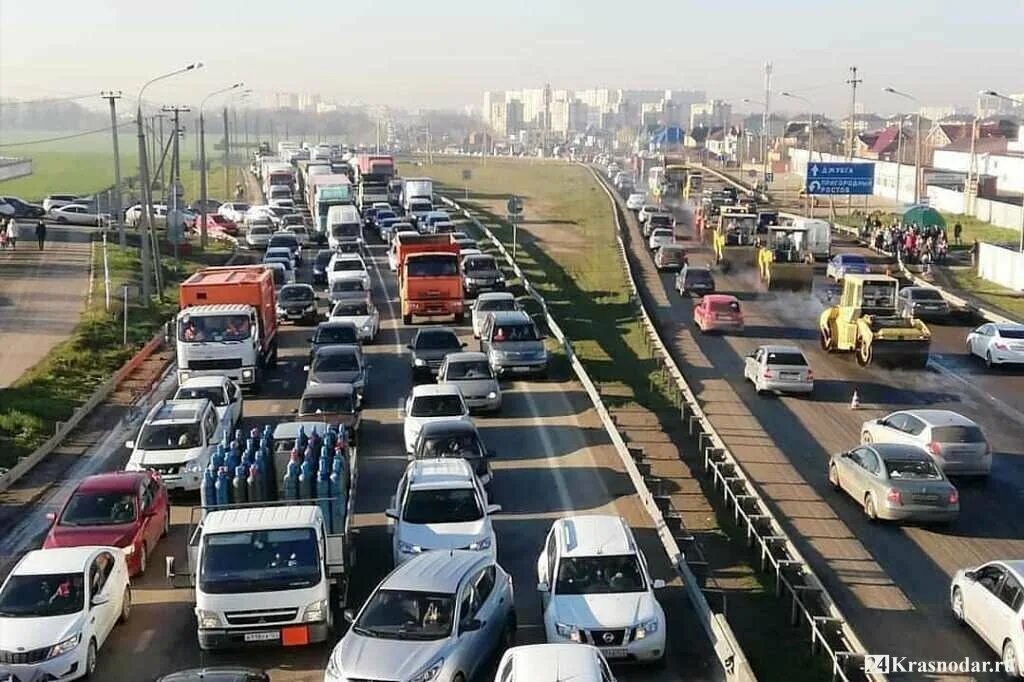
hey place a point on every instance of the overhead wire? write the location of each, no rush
(66, 137)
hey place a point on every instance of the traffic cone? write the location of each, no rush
(855, 401)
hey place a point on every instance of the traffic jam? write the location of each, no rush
(908, 407)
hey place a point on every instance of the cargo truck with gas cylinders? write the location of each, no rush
(429, 277)
(270, 550)
(227, 324)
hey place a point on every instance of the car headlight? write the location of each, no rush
(570, 632)
(247, 373)
(646, 628)
(208, 619)
(315, 612)
(67, 645)
(132, 466)
(419, 362)
(280, 311)
(193, 466)
(429, 674)
(183, 376)
(481, 544)
(407, 548)
(492, 395)
(368, 325)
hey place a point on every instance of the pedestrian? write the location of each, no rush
(958, 231)
(975, 250)
(41, 233)
(12, 233)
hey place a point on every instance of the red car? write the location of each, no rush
(718, 312)
(126, 509)
(215, 223)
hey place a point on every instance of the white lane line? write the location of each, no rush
(399, 349)
(549, 453)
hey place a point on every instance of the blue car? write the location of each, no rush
(846, 264)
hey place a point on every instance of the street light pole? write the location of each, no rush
(917, 136)
(203, 236)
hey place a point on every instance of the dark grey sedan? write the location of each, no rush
(429, 348)
(923, 303)
(339, 365)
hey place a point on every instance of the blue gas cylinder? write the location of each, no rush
(233, 459)
(239, 436)
(260, 462)
(307, 481)
(323, 494)
(301, 440)
(208, 489)
(217, 459)
(291, 478)
(239, 491)
(339, 498)
(254, 484)
(223, 486)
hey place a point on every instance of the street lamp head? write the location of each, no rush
(889, 90)
(195, 65)
(238, 84)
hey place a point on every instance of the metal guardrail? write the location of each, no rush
(727, 648)
(829, 632)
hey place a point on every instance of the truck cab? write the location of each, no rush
(429, 277)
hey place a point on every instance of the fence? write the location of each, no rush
(727, 648)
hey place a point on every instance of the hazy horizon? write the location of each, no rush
(419, 55)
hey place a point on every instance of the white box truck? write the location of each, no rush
(416, 188)
(819, 236)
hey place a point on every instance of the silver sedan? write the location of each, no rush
(895, 482)
(472, 373)
(78, 214)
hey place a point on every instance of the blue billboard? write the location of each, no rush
(826, 177)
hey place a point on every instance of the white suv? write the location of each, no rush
(431, 402)
(554, 662)
(596, 589)
(440, 504)
(176, 440)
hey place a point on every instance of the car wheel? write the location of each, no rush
(864, 354)
(126, 606)
(406, 319)
(869, 508)
(90, 659)
(1010, 664)
(988, 359)
(833, 476)
(958, 605)
(61, 220)
(459, 678)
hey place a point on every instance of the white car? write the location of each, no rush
(843, 264)
(78, 214)
(57, 200)
(278, 253)
(261, 211)
(635, 201)
(661, 236)
(57, 608)
(469, 252)
(224, 393)
(363, 314)
(596, 589)
(957, 444)
(645, 212)
(778, 368)
(989, 598)
(347, 264)
(488, 302)
(997, 344)
(440, 504)
(234, 211)
(176, 440)
(554, 663)
(431, 402)
(257, 236)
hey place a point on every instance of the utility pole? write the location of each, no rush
(853, 82)
(234, 129)
(175, 203)
(163, 176)
(115, 209)
(227, 151)
(766, 122)
(146, 218)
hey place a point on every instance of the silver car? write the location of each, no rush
(778, 368)
(490, 302)
(442, 615)
(895, 482)
(513, 344)
(956, 443)
(471, 372)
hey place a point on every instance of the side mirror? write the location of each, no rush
(493, 508)
(350, 616)
(169, 561)
(51, 516)
(409, 346)
(99, 600)
(658, 584)
(391, 514)
(543, 587)
(309, 339)
(295, 410)
(471, 626)
(130, 444)
(971, 575)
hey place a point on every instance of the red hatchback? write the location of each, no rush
(718, 312)
(126, 509)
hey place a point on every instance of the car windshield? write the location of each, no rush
(348, 264)
(384, 215)
(42, 596)
(326, 404)
(394, 614)
(599, 575)
(346, 230)
(339, 334)
(796, 359)
(882, 295)
(918, 469)
(98, 509)
(473, 369)
(284, 241)
(926, 295)
(515, 332)
(296, 294)
(451, 505)
(662, 232)
(957, 434)
(852, 260)
(336, 362)
(497, 304)
(259, 561)
(479, 264)
(195, 329)
(347, 285)
(432, 266)
(437, 406)
(278, 253)
(458, 445)
(214, 394)
(698, 276)
(170, 437)
(436, 341)
(258, 230)
(1011, 333)
(350, 310)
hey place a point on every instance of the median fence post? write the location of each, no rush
(106, 274)
(124, 341)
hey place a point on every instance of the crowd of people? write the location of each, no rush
(913, 243)
(9, 233)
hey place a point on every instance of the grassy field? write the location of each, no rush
(50, 391)
(997, 296)
(567, 248)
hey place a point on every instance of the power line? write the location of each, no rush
(64, 137)
(46, 100)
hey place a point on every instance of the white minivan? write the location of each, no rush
(819, 236)
(344, 226)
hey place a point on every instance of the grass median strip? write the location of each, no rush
(50, 391)
(567, 247)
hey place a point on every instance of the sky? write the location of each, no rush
(445, 53)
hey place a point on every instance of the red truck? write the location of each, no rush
(376, 167)
(227, 324)
(429, 277)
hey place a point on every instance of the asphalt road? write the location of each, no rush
(42, 295)
(553, 459)
(891, 581)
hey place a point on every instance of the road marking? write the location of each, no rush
(389, 302)
(144, 639)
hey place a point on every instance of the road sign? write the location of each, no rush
(840, 178)
(467, 174)
(514, 205)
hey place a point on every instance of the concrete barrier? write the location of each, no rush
(730, 654)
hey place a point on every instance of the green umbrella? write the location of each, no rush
(926, 216)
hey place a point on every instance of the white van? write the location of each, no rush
(344, 224)
(819, 236)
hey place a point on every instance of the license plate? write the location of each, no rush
(789, 375)
(614, 653)
(263, 636)
(521, 369)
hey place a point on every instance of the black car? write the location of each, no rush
(429, 347)
(333, 334)
(457, 439)
(480, 272)
(289, 241)
(323, 257)
(297, 303)
(23, 209)
(369, 213)
(220, 674)
(695, 280)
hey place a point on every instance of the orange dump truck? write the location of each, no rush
(429, 277)
(227, 324)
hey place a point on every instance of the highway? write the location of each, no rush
(890, 581)
(554, 458)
